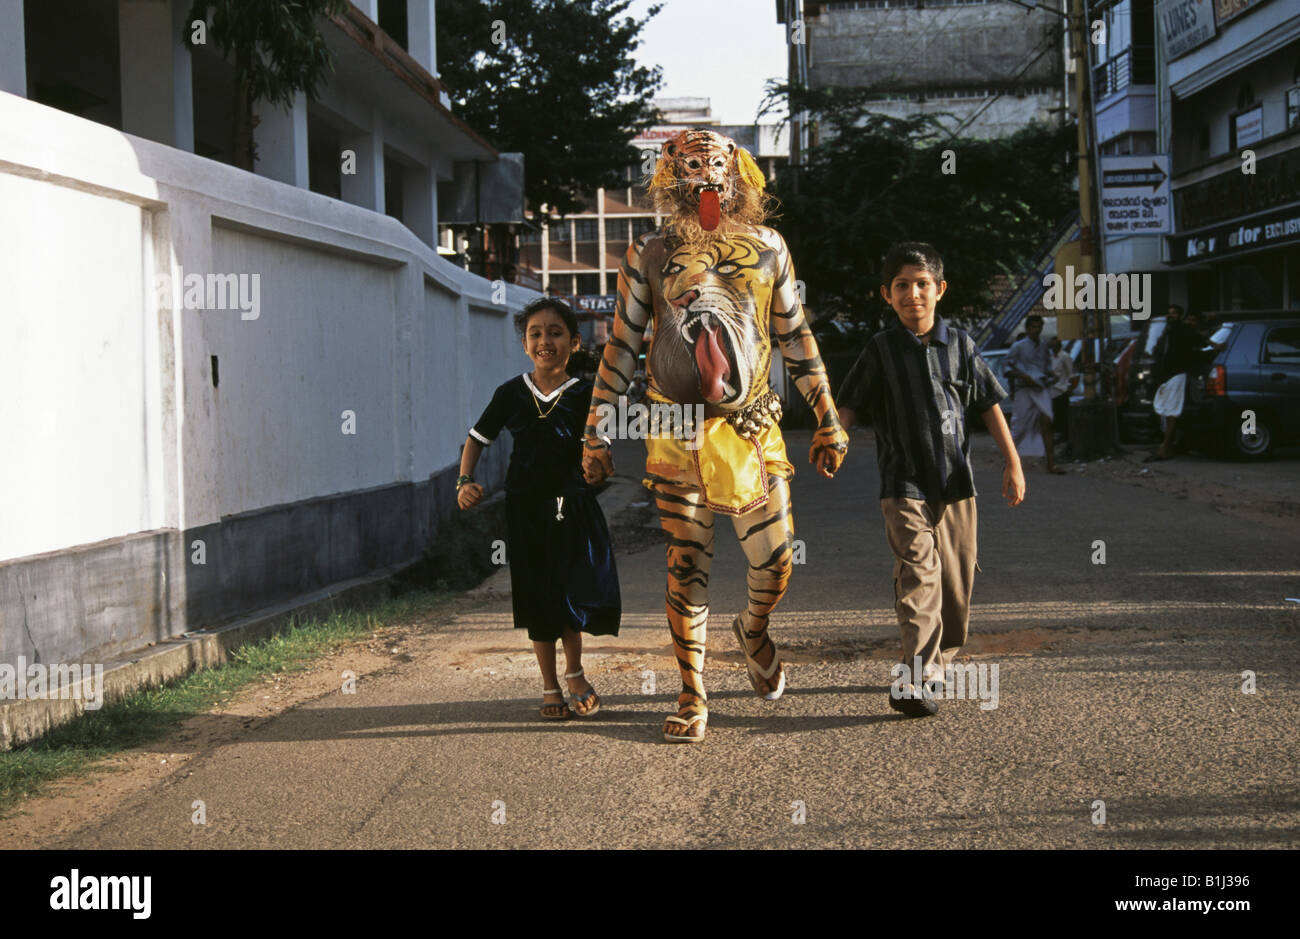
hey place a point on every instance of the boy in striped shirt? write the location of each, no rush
(917, 379)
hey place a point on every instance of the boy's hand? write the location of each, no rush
(597, 464)
(829, 446)
(1013, 484)
(470, 495)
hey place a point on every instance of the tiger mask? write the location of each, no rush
(707, 186)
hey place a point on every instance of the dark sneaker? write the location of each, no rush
(910, 704)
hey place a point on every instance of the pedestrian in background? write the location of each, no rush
(917, 379)
(1064, 380)
(1184, 351)
(1029, 363)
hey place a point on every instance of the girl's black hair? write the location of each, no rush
(562, 310)
(581, 361)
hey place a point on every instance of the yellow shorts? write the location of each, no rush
(731, 470)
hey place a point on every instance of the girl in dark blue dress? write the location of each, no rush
(562, 576)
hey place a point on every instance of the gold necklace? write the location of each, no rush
(540, 414)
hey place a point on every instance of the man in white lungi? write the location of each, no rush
(1029, 363)
(1184, 352)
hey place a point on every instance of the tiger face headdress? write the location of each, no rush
(706, 184)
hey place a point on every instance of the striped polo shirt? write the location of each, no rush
(917, 395)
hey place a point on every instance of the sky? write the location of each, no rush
(718, 49)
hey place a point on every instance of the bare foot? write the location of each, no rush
(689, 707)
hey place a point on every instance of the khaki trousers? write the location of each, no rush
(934, 571)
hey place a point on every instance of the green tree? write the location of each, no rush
(277, 50)
(555, 80)
(872, 180)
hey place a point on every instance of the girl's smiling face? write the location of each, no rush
(548, 341)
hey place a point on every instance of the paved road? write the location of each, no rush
(1119, 682)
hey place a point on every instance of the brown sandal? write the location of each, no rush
(579, 700)
(564, 714)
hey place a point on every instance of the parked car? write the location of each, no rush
(1258, 372)
(1138, 421)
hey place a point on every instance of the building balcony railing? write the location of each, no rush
(1136, 65)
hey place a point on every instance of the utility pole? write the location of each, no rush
(1083, 110)
(1092, 424)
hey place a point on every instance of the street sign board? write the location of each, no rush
(1135, 195)
(1185, 25)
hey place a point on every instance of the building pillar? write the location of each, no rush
(546, 253)
(600, 238)
(157, 89)
(281, 139)
(13, 50)
(365, 187)
(420, 203)
(421, 38)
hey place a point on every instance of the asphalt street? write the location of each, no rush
(1119, 683)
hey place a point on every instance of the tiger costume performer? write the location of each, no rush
(717, 286)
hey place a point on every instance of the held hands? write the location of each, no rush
(469, 495)
(597, 464)
(1013, 484)
(829, 447)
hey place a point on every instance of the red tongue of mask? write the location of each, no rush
(712, 363)
(710, 211)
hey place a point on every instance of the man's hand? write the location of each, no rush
(469, 495)
(1013, 484)
(597, 464)
(829, 446)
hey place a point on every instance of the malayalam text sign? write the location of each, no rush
(1135, 195)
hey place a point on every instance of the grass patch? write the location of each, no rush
(151, 714)
(460, 558)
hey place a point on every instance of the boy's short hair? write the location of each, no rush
(1033, 318)
(904, 253)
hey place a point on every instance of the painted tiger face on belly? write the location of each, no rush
(711, 343)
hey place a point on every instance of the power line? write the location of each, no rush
(952, 136)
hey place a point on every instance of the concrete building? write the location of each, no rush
(1214, 118)
(1124, 96)
(985, 67)
(1231, 124)
(225, 389)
